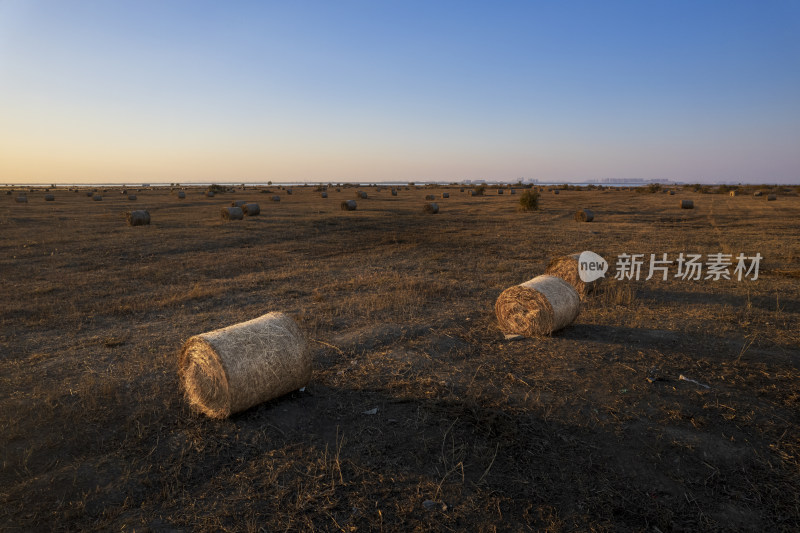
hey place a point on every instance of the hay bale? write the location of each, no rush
(348, 205)
(499, 191)
(687, 204)
(361, 194)
(757, 193)
(771, 197)
(430, 197)
(431, 208)
(394, 192)
(672, 193)
(131, 197)
(324, 195)
(512, 191)
(138, 218)
(537, 307)
(232, 369)
(181, 195)
(49, 198)
(251, 210)
(209, 194)
(473, 193)
(566, 267)
(97, 198)
(733, 193)
(276, 198)
(232, 213)
(445, 195)
(338, 189)
(288, 191)
(555, 191)
(22, 199)
(89, 194)
(584, 215)
(238, 203)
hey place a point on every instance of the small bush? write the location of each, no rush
(529, 201)
(216, 189)
(479, 190)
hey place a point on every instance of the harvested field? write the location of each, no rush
(419, 414)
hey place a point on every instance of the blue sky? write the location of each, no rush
(377, 90)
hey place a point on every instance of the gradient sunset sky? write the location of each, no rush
(193, 91)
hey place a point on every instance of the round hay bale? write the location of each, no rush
(49, 198)
(209, 194)
(338, 189)
(348, 205)
(97, 198)
(430, 197)
(687, 204)
(537, 307)
(251, 210)
(584, 215)
(757, 193)
(771, 197)
(473, 193)
(131, 197)
(324, 195)
(232, 213)
(672, 193)
(461, 190)
(232, 369)
(431, 208)
(567, 268)
(138, 218)
(238, 203)
(512, 191)
(276, 198)
(288, 191)
(445, 195)
(89, 194)
(394, 192)
(555, 191)
(733, 193)
(361, 194)
(22, 199)
(499, 191)
(181, 195)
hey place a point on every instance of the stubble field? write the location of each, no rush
(419, 414)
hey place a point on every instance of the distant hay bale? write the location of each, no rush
(431, 208)
(537, 307)
(138, 218)
(566, 267)
(49, 198)
(288, 191)
(181, 194)
(97, 198)
(276, 198)
(131, 197)
(461, 190)
(324, 195)
(499, 191)
(361, 194)
(338, 189)
(238, 203)
(445, 195)
(232, 369)
(758, 193)
(687, 204)
(430, 197)
(394, 192)
(555, 191)
(89, 194)
(473, 193)
(584, 215)
(512, 191)
(348, 205)
(733, 193)
(251, 210)
(671, 193)
(232, 213)
(771, 197)
(22, 199)
(209, 194)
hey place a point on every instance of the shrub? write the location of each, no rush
(529, 201)
(479, 190)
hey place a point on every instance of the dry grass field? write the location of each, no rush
(419, 415)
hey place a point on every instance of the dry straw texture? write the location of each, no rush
(138, 218)
(687, 204)
(537, 307)
(251, 210)
(584, 215)
(566, 268)
(232, 369)
(232, 213)
(431, 208)
(348, 205)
